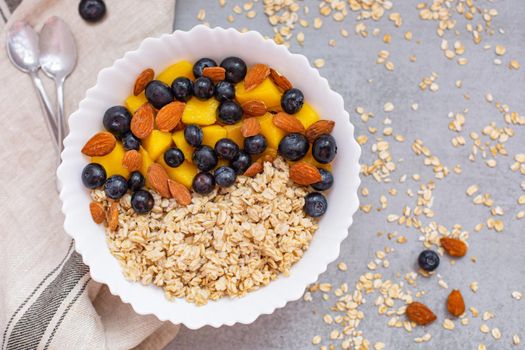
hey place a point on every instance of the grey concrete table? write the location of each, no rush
(352, 71)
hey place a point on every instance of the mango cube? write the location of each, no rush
(272, 133)
(233, 132)
(146, 163)
(222, 162)
(184, 173)
(179, 69)
(200, 112)
(268, 152)
(134, 102)
(157, 143)
(267, 92)
(112, 162)
(307, 115)
(180, 142)
(212, 134)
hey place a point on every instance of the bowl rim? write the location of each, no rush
(244, 316)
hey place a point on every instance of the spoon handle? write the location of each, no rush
(46, 107)
(61, 122)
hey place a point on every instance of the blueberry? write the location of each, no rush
(428, 260)
(117, 120)
(241, 162)
(203, 183)
(182, 89)
(255, 144)
(327, 180)
(136, 181)
(193, 135)
(226, 149)
(235, 69)
(130, 141)
(229, 112)
(116, 186)
(92, 10)
(199, 66)
(204, 158)
(224, 90)
(225, 176)
(142, 202)
(293, 146)
(174, 157)
(203, 88)
(93, 175)
(158, 94)
(292, 101)
(315, 204)
(324, 149)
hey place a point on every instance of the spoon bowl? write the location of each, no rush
(22, 47)
(58, 52)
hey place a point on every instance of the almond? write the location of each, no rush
(288, 123)
(100, 144)
(214, 73)
(97, 212)
(143, 121)
(256, 75)
(319, 128)
(169, 116)
(158, 178)
(254, 108)
(254, 169)
(112, 216)
(420, 313)
(178, 191)
(269, 158)
(454, 246)
(280, 80)
(304, 174)
(455, 303)
(142, 80)
(132, 160)
(250, 127)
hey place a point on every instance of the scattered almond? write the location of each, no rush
(455, 303)
(112, 216)
(454, 246)
(142, 80)
(169, 116)
(158, 178)
(420, 313)
(100, 144)
(250, 127)
(132, 160)
(288, 123)
(143, 121)
(254, 108)
(319, 128)
(280, 80)
(214, 73)
(180, 192)
(97, 212)
(305, 174)
(254, 169)
(256, 75)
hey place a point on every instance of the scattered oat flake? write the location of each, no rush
(319, 63)
(517, 295)
(316, 340)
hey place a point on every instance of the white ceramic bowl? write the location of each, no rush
(114, 85)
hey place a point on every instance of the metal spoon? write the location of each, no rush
(58, 57)
(23, 51)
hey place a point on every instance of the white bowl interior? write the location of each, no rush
(114, 85)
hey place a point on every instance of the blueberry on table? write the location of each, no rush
(203, 88)
(117, 120)
(193, 135)
(255, 144)
(224, 91)
(315, 204)
(241, 162)
(235, 69)
(428, 260)
(130, 141)
(182, 89)
(158, 94)
(92, 10)
(293, 146)
(116, 186)
(324, 149)
(226, 149)
(292, 101)
(93, 175)
(203, 183)
(136, 181)
(229, 112)
(173, 157)
(225, 176)
(199, 66)
(204, 158)
(142, 202)
(327, 180)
